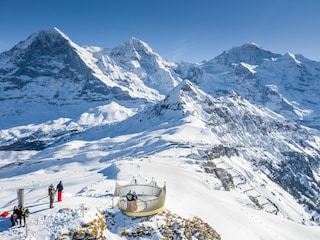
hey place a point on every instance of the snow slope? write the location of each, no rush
(92, 117)
(169, 146)
(89, 180)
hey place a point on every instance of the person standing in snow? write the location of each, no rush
(51, 193)
(14, 216)
(59, 189)
(22, 216)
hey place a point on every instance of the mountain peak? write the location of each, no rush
(135, 42)
(186, 97)
(138, 44)
(46, 37)
(184, 87)
(250, 53)
(134, 48)
(290, 57)
(51, 32)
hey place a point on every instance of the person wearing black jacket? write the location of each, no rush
(14, 216)
(59, 189)
(21, 215)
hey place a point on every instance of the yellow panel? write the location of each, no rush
(143, 214)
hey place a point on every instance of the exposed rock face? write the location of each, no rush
(91, 230)
(220, 151)
(169, 226)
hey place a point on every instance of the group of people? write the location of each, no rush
(52, 192)
(131, 201)
(19, 215)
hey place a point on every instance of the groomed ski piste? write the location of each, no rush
(89, 177)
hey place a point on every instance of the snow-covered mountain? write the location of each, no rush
(237, 133)
(50, 77)
(50, 68)
(287, 84)
(243, 123)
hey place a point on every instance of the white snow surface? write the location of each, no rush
(146, 148)
(89, 175)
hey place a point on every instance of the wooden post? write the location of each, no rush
(82, 206)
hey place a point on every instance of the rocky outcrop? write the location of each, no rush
(169, 226)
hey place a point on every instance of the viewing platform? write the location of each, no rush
(150, 198)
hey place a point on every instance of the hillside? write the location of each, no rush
(235, 139)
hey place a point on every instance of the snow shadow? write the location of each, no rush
(110, 172)
(5, 223)
(30, 207)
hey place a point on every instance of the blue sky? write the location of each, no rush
(188, 30)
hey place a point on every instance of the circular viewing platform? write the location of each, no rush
(148, 198)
